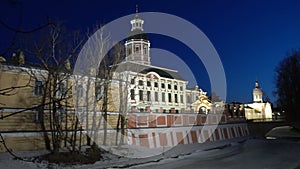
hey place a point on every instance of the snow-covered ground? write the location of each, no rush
(253, 153)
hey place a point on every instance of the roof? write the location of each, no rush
(256, 90)
(34, 65)
(137, 34)
(144, 69)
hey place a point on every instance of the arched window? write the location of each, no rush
(202, 110)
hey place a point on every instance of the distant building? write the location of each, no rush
(258, 109)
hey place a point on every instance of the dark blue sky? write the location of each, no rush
(251, 37)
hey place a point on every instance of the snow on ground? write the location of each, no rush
(253, 153)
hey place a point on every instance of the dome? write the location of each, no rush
(137, 34)
(257, 90)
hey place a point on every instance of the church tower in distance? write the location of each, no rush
(257, 94)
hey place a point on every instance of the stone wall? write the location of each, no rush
(151, 130)
(160, 130)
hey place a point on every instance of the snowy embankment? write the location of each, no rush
(207, 150)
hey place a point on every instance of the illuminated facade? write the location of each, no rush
(258, 109)
(153, 88)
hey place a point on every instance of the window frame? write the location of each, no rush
(38, 89)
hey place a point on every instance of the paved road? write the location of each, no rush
(253, 154)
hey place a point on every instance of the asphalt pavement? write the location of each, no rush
(253, 153)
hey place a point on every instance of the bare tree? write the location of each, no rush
(53, 53)
(287, 82)
(95, 71)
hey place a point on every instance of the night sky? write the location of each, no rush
(251, 37)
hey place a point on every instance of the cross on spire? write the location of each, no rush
(136, 11)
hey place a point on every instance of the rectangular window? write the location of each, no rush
(132, 81)
(181, 98)
(155, 84)
(99, 92)
(156, 96)
(148, 95)
(181, 88)
(170, 97)
(132, 94)
(62, 89)
(175, 87)
(169, 86)
(60, 116)
(140, 82)
(141, 95)
(163, 99)
(145, 50)
(148, 83)
(137, 49)
(188, 99)
(163, 85)
(38, 115)
(176, 99)
(38, 88)
(80, 91)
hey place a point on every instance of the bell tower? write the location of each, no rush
(137, 44)
(257, 94)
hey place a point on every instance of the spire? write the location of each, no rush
(137, 12)
(137, 22)
(256, 84)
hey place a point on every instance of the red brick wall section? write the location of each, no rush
(154, 140)
(181, 133)
(133, 139)
(203, 119)
(172, 139)
(225, 133)
(185, 120)
(192, 120)
(217, 134)
(132, 121)
(223, 119)
(142, 120)
(187, 137)
(144, 141)
(179, 137)
(198, 120)
(161, 120)
(170, 119)
(206, 136)
(152, 120)
(177, 120)
(194, 136)
(163, 139)
(213, 119)
(233, 133)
